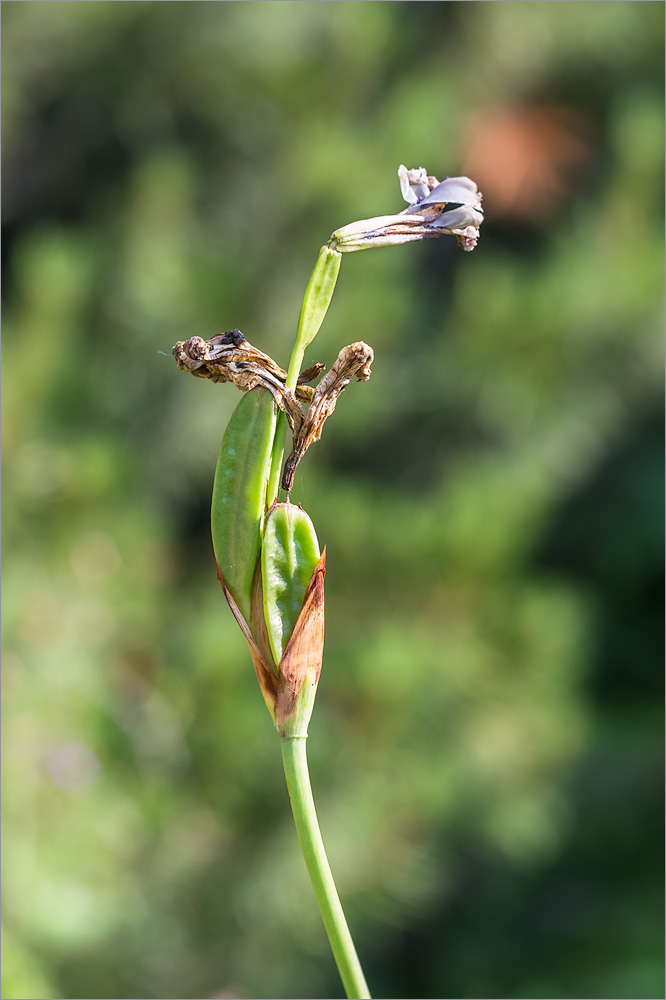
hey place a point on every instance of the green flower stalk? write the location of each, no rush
(316, 301)
(268, 557)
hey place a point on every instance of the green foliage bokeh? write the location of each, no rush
(484, 747)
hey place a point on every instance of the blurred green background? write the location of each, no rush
(486, 744)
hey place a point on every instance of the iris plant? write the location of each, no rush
(268, 557)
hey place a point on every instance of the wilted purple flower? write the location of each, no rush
(415, 184)
(454, 206)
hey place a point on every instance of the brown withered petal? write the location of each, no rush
(267, 679)
(300, 666)
(354, 360)
(229, 357)
(311, 373)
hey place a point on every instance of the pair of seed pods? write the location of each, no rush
(267, 559)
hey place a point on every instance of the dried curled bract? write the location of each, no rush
(229, 357)
(354, 360)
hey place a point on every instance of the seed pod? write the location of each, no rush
(292, 576)
(300, 665)
(239, 493)
(289, 556)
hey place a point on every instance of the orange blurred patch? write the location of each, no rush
(525, 160)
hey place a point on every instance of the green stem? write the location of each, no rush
(316, 301)
(276, 460)
(295, 764)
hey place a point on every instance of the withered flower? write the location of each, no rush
(229, 357)
(354, 360)
(435, 209)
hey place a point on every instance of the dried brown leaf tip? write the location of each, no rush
(354, 360)
(229, 357)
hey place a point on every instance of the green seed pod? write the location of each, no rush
(289, 557)
(239, 493)
(300, 665)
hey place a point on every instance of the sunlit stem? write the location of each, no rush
(316, 301)
(305, 817)
(276, 460)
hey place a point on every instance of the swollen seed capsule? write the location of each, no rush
(289, 557)
(239, 493)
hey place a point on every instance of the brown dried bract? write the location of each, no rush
(262, 667)
(354, 360)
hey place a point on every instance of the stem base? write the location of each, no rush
(295, 763)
